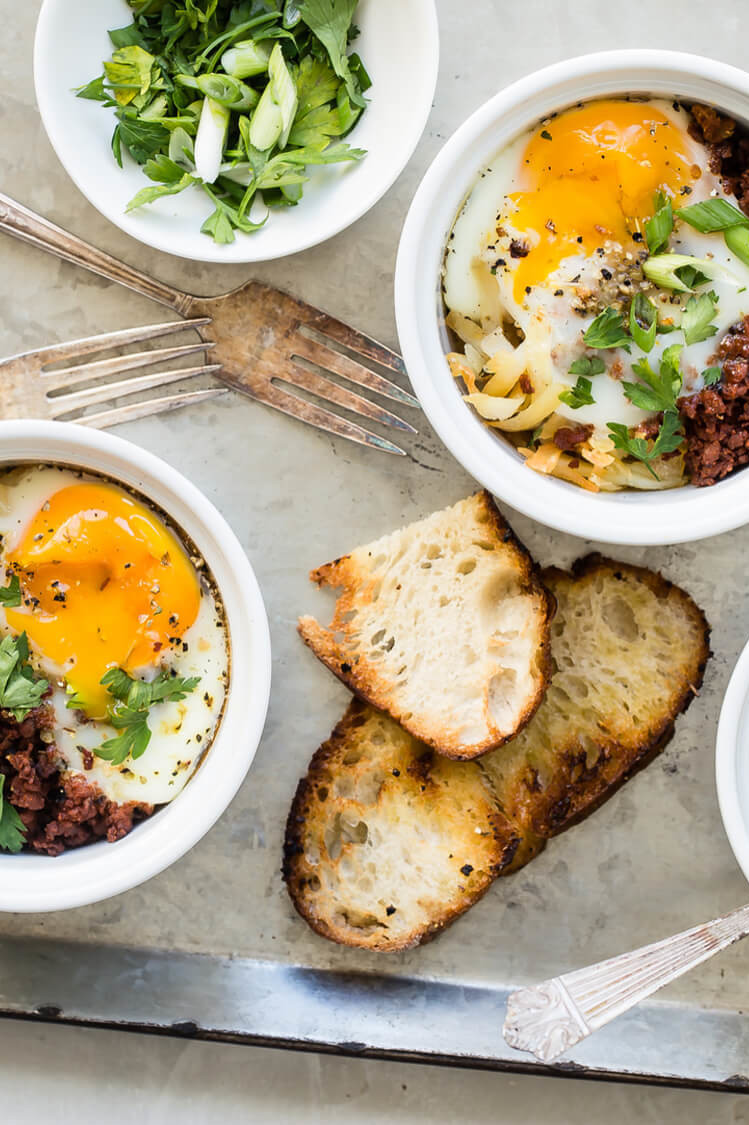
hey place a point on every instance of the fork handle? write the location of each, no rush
(555, 1015)
(20, 222)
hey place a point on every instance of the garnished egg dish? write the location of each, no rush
(596, 282)
(114, 659)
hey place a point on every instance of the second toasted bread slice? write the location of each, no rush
(444, 625)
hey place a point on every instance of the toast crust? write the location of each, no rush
(333, 646)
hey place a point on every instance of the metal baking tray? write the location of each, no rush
(212, 947)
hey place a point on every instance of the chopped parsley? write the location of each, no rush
(129, 713)
(10, 595)
(669, 438)
(698, 313)
(657, 392)
(579, 395)
(587, 365)
(12, 830)
(711, 376)
(19, 691)
(607, 331)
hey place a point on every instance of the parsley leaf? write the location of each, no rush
(12, 830)
(587, 365)
(10, 595)
(142, 139)
(149, 194)
(607, 331)
(698, 313)
(669, 438)
(711, 376)
(712, 215)
(579, 395)
(660, 391)
(94, 91)
(643, 322)
(658, 229)
(129, 73)
(330, 20)
(129, 713)
(19, 691)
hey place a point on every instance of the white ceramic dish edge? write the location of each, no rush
(676, 516)
(173, 225)
(36, 883)
(731, 764)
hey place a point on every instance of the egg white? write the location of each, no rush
(181, 732)
(553, 330)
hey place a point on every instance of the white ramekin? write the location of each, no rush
(32, 883)
(732, 761)
(626, 517)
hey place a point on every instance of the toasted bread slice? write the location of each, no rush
(629, 651)
(444, 625)
(387, 843)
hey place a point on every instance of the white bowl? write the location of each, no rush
(399, 45)
(626, 517)
(732, 761)
(32, 883)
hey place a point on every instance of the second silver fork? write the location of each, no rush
(35, 386)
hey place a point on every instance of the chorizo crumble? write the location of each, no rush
(716, 419)
(59, 810)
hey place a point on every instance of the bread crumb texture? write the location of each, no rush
(444, 625)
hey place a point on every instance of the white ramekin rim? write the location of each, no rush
(674, 516)
(35, 883)
(731, 763)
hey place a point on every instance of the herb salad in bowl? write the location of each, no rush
(235, 130)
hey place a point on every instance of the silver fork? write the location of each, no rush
(268, 344)
(34, 388)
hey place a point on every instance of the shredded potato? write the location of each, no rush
(467, 330)
(540, 407)
(460, 370)
(493, 408)
(491, 369)
(545, 459)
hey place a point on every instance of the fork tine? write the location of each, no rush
(356, 341)
(135, 410)
(304, 411)
(58, 353)
(342, 365)
(82, 372)
(63, 404)
(317, 384)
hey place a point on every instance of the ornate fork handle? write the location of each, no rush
(24, 224)
(556, 1014)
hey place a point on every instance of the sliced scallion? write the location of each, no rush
(209, 142)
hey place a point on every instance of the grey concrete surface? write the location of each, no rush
(652, 861)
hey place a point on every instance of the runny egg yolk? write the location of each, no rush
(105, 584)
(590, 175)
